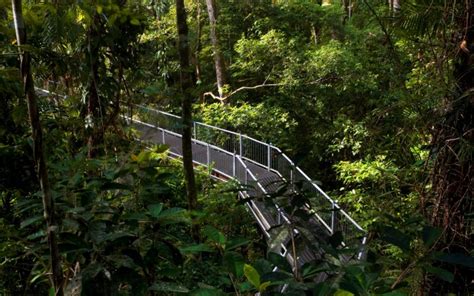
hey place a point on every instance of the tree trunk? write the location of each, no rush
(95, 125)
(197, 50)
(186, 88)
(219, 62)
(38, 154)
(394, 6)
(453, 173)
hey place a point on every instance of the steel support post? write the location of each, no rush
(163, 135)
(208, 152)
(333, 217)
(194, 130)
(291, 177)
(240, 144)
(269, 158)
(233, 165)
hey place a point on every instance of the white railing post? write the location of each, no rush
(240, 144)
(233, 165)
(256, 155)
(291, 178)
(333, 217)
(269, 158)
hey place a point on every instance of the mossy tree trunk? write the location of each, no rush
(38, 153)
(187, 97)
(219, 63)
(453, 174)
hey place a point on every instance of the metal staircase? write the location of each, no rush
(261, 168)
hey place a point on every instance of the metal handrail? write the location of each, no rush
(257, 152)
(249, 176)
(261, 153)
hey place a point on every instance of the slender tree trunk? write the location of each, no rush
(95, 134)
(394, 6)
(186, 87)
(315, 34)
(219, 62)
(453, 173)
(197, 50)
(38, 154)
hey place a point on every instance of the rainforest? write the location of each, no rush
(236, 147)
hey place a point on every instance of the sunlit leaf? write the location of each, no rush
(252, 275)
(30, 221)
(214, 235)
(155, 210)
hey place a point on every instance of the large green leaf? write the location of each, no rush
(118, 235)
(341, 292)
(431, 235)
(236, 242)
(173, 215)
(214, 235)
(278, 237)
(441, 273)
(30, 221)
(155, 210)
(196, 249)
(234, 263)
(279, 261)
(457, 259)
(323, 289)
(252, 275)
(395, 237)
(39, 234)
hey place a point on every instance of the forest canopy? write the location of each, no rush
(373, 100)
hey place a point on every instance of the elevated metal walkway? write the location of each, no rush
(262, 169)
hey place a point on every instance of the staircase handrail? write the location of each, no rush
(329, 225)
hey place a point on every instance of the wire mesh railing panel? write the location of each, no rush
(241, 172)
(226, 140)
(227, 152)
(255, 150)
(164, 120)
(319, 204)
(173, 140)
(281, 164)
(352, 234)
(219, 161)
(200, 152)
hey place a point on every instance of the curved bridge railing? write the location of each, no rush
(252, 162)
(255, 164)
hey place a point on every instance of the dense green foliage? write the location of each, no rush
(355, 99)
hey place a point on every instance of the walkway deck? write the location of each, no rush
(261, 168)
(228, 165)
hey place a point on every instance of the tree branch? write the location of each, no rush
(264, 84)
